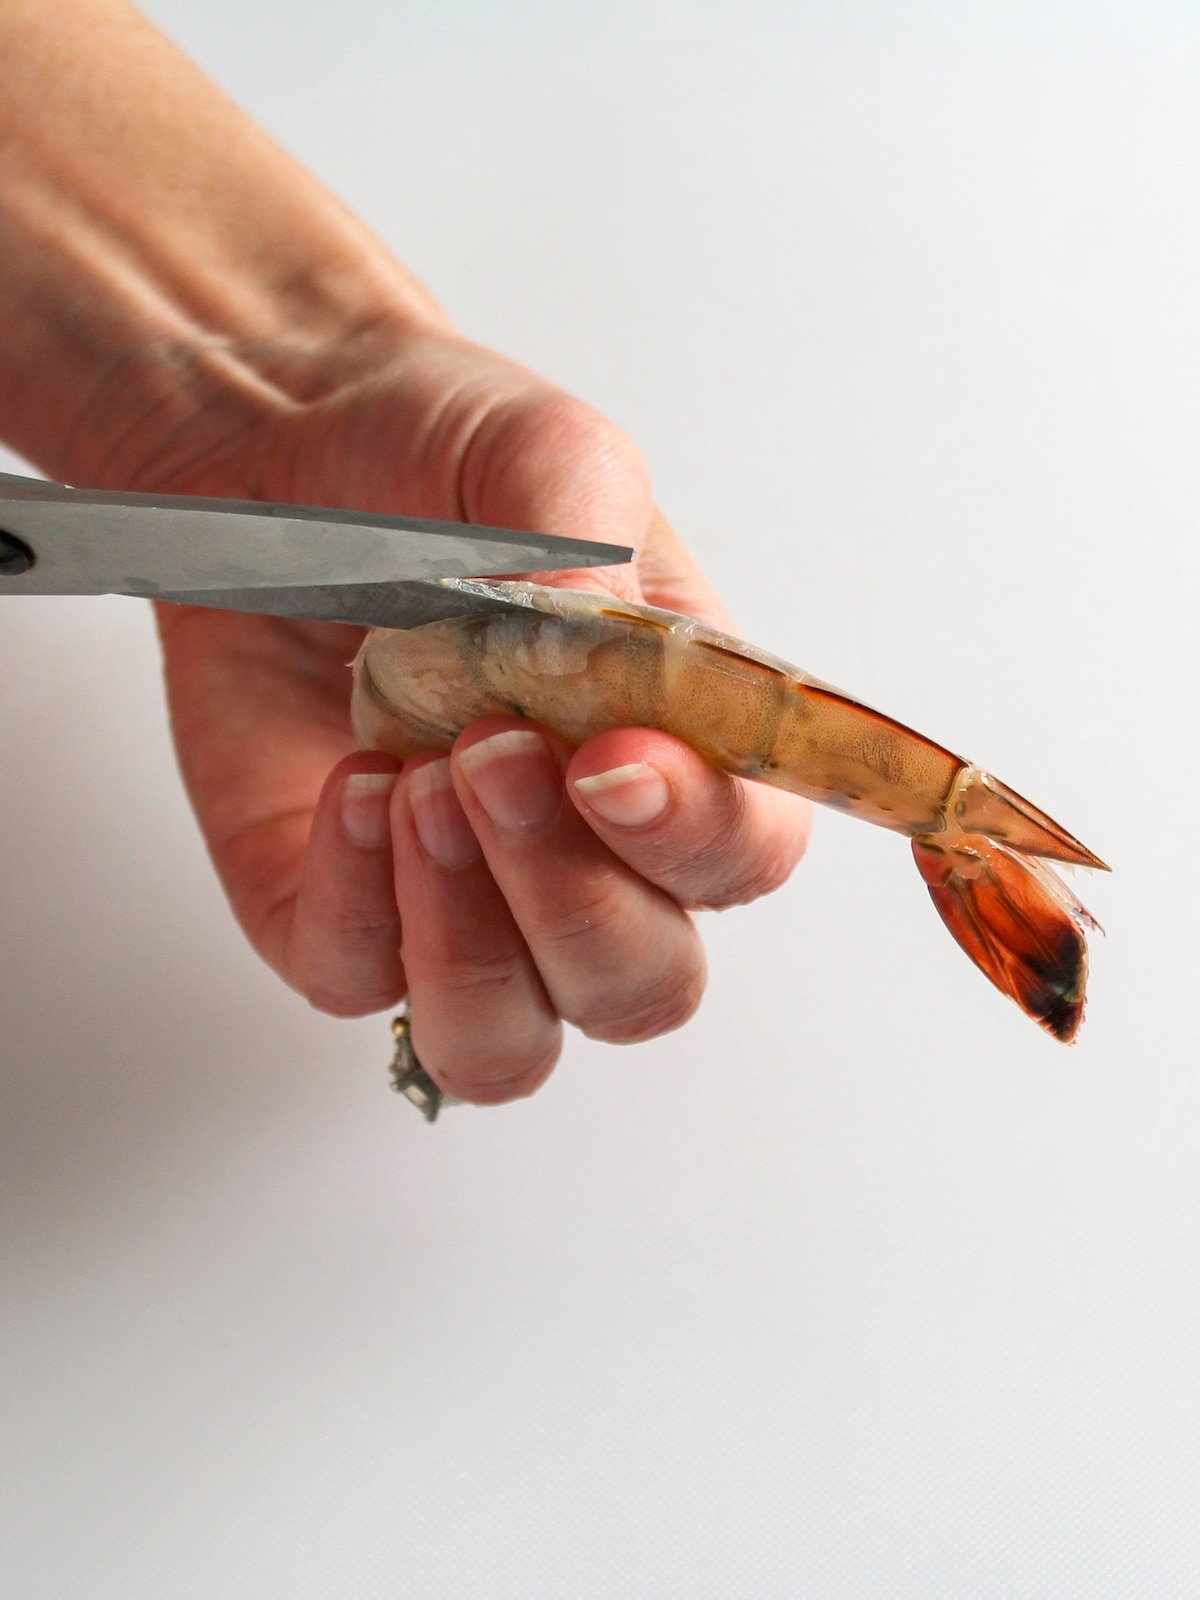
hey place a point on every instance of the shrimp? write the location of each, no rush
(582, 664)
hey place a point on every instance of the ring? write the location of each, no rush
(409, 1077)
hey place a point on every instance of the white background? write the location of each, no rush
(858, 1286)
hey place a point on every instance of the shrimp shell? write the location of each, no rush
(582, 664)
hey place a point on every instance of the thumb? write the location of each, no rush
(543, 460)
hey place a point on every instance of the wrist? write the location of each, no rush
(169, 278)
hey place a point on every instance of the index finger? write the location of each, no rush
(708, 839)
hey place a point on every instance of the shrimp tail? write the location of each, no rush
(983, 805)
(1017, 920)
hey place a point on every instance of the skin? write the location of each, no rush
(183, 308)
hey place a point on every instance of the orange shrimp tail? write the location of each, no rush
(1017, 920)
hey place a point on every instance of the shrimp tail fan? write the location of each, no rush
(1017, 920)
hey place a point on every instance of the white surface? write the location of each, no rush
(859, 1286)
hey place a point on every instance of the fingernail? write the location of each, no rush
(629, 796)
(365, 800)
(515, 779)
(439, 818)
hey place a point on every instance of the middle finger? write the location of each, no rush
(619, 958)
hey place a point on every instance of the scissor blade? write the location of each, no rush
(374, 605)
(97, 542)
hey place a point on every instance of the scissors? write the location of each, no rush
(277, 560)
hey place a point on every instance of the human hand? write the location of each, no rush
(184, 308)
(549, 902)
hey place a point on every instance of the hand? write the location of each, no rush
(549, 901)
(184, 308)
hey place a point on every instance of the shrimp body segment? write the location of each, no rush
(582, 664)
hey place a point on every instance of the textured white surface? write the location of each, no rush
(858, 1287)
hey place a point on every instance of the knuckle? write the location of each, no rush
(586, 917)
(750, 881)
(480, 974)
(740, 868)
(583, 435)
(354, 970)
(547, 443)
(502, 1086)
(653, 1009)
(343, 1004)
(356, 928)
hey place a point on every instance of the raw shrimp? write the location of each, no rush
(581, 664)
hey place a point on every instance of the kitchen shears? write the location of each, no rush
(307, 562)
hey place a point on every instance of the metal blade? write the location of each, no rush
(377, 605)
(96, 542)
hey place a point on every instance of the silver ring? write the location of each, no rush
(409, 1077)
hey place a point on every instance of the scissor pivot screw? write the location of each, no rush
(15, 556)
